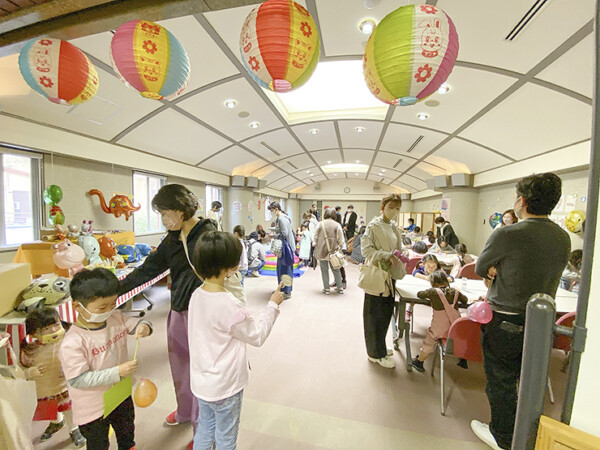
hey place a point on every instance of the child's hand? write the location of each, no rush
(142, 330)
(277, 296)
(128, 368)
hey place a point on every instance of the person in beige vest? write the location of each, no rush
(378, 244)
(331, 230)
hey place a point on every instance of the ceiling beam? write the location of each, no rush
(70, 19)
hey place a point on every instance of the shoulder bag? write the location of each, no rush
(336, 259)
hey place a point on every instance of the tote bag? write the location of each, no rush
(372, 278)
(277, 247)
(336, 259)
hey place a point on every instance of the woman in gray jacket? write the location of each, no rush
(285, 232)
(378, 244)
(332, 231)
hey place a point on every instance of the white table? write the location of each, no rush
(409, 286)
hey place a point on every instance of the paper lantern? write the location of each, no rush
(410, 54)
(574, 220)
(279, 44)
(145, 393)
(495, 219)
(147, 57)
(58, 71)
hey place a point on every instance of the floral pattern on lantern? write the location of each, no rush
(147, 57)
(58, 71)
(410, 54)
(279, 44)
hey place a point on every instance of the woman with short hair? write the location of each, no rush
(329, 232)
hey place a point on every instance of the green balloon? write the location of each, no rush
(52, 194)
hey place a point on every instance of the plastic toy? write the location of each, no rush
(144, 249)
(480, 312)
(130, 253)
(45, 291)
(91, 247)
(68, 256)
(145, 393)
(574, 220)
(108, 249)
(119, 204)
(495, 219)
(52, 196)
(86, 227)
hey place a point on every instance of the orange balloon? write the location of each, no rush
(145, 393)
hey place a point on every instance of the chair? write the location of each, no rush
(563, 343)
(468, 271)
(411, 264)
(463, 342)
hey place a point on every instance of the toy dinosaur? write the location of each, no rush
(118, 204)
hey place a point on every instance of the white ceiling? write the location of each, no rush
(508, 100)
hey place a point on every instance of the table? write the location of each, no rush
(39, 253)
(409, 286)
(15, 321)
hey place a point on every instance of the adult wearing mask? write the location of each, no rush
(315, 211)
(381, 239)
(338, 214)
(331, 231)
(214, 214)
(285, 232)
(511, 259)
(445, 229)
(349, 222)
(177, 207)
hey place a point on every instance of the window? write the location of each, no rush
(20, 197)
(213, 194)
(145, 187)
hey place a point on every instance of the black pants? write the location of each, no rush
(343, 272)
(502, 353)
(377, 314)
(121, 419)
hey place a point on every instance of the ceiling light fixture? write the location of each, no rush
(443, 89)
(254, 124)
(367, 26)
(370, 4)
(422, 116)
(383, 170)
(357, 161)
(345, 167)
(230, 103)
(359, 129)
(328, 162)
(313, 130)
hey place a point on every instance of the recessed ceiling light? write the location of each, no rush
(328, 162)
(335, 174)
(357, 161)
(356, 174)
(359, 129)
(313, 130)
(230, 103)
(443, 88)
(422, 116)
(367, 26)
(383, 170)
(308, 171)
(254, 124)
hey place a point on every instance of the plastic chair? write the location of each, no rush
(411, 264)
(463, 342)
(563, 343)
(468, 271)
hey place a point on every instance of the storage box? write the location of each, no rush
(13, 279)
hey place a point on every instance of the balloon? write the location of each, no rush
(480, 312)
(53, 194)
(145, 393)
(495, 219)
(574, 220)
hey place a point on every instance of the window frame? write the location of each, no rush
(37, 181)
(163, 182)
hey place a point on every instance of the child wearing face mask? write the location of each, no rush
(94, 357)
(43, 366)
(219, 329)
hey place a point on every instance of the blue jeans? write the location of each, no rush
(282, 269)
(257, 268)
(218, 422)
(243, 274)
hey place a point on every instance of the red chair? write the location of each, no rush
(563, 343)
(463, 342)
(411, 264)
(468, 271)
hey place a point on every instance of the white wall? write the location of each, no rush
(463, 204)
(430, 204)
(359, 190)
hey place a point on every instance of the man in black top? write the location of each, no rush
(349, 222)
(445, 229)
(338, 214)
(521, 260)
(315, 211)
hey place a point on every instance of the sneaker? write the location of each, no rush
(77, 438)
(390, 352)
(386, 362)
(482, 431)
(52, 429)
(418, 365)
(170, 420)
(332, 285)
(463, 363)
(326, 291)
(339, 291)
(287, 295)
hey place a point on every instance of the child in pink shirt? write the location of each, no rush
(219, 327)
(94, 357)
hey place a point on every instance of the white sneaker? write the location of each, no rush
(482, 431)
(390, 352)
(386, 362)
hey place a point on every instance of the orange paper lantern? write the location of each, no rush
(145, 393)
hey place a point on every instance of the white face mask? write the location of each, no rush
(97, 317)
